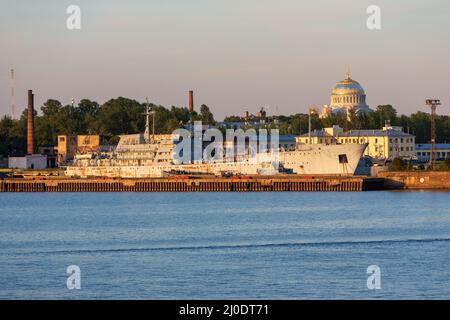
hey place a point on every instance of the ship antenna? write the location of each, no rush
(147, 121)
(153, 126)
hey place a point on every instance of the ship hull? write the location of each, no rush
(307, 160)
(324, 159)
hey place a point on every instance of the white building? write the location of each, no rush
(35, 161)
(388, 143)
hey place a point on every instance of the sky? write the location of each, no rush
(237, 55)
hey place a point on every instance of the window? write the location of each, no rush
(343, 158)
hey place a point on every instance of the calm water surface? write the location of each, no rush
(225, 245)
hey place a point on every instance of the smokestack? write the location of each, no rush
(191, 101)
(30, 131)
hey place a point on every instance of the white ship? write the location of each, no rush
(137, 156)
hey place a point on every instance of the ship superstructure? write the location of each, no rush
(145, 156)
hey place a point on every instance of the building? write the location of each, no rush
(287, 142)
(347, 95)
(31, 161)
(388, 143)
(69, 145)
(423, 151)
(67, 148)
(50, 152)
(248, 120)
(324, 136)
(3, 162)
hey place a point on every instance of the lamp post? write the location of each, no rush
(433, 103)
(310, 113)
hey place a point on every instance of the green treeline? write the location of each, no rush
(122, 116)
(114, 117)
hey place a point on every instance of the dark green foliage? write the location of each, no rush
(445, 166)
(206, 116)
(397, 165)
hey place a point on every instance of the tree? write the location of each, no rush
(206, 115)
(6, 124)
(445, 166)
(233, 119)
(121, 116)
(13, 138)
(87, 113)
(180, 114)
(51, 123)
(421, 126)
(397, 165)
(386, 113)
(285, 128)
(172, 124)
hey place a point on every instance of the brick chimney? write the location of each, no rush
(30, 129)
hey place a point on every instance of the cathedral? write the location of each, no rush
(347, 95)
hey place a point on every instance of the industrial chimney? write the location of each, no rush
(30, 129)
(191, 101)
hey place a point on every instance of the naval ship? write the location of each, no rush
(145, 156)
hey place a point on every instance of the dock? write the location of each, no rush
(194, 184)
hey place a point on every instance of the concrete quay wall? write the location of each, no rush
(307, 184)
(416, 180)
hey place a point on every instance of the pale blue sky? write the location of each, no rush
(235, 54)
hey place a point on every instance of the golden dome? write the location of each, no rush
(348, 87)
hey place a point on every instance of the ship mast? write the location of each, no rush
(149, 112)
(147, 122)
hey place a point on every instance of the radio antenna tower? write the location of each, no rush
(13, 94)
(433, 103)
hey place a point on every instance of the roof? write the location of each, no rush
(360, 133)
(287, 138)
(376, 133)
(348, 86)
(317, 133)
(427, 146)
(281, 138)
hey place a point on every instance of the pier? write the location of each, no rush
(193, 184)
(437, 180)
